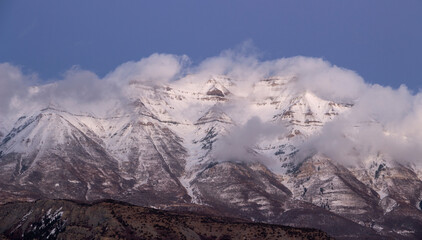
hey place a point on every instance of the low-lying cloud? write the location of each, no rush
(82, 91)
(383, 121)
(239, 144)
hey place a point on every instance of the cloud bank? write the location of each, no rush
(238, 145)
(382, 119)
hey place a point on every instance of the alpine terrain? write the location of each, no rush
(213, 147)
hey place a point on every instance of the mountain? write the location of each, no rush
(187, 146)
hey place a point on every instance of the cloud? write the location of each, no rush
(313, 74)
(320, 77)
(78, 91)
(239, 143)
(82, 91)
(13, 84)
(383, 121)
(155, 69)
(14, 89)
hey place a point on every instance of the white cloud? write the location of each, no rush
(238, 145)
(322, 78)
(383, 120)
(13, 84)
(157, 68)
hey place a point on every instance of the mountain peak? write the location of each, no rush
(214, 114)
(218, 86)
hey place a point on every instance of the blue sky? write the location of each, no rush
(380, 40)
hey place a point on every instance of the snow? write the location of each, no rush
(190, 190)
(382, 194)
(404, 232)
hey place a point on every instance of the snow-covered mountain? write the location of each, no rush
(164, 149)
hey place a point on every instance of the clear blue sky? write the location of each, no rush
(381, 40)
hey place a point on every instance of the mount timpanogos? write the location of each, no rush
(213, 147)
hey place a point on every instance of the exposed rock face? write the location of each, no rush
(161, 151)
(218, 86)
(335, 188)
(245, 190)
(214, 114)
(60, 219)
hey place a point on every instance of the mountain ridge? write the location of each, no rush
(163, 150)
